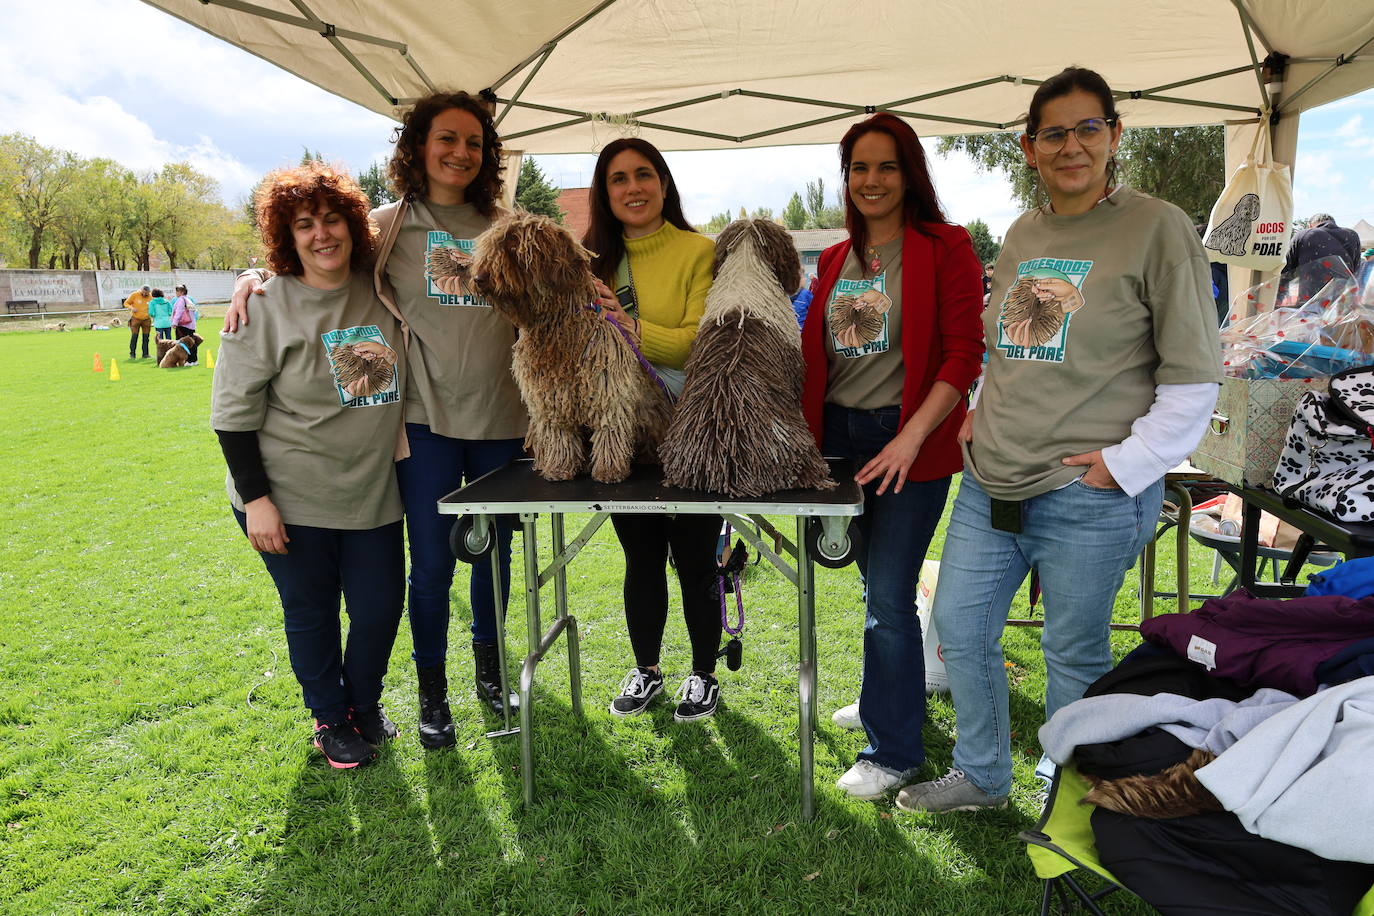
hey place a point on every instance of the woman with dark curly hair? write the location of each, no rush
(311, 392)
(463, 411)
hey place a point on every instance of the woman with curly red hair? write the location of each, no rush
(463, 412)
(311, 393)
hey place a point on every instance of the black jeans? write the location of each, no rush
(367, 569)
(133, 342)
(645, 540)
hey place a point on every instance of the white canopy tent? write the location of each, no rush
(708, 74)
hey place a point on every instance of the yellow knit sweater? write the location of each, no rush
(672, 272)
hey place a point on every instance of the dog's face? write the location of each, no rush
(531, 270)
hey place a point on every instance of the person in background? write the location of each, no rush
(184, 314)
(1366, 267)
(464, 416)
(660, 269)
(160, 311)
(137, 304)
(1104, 364)
(307, 407)
(891, 344)
(1311, 251)
(987, 280)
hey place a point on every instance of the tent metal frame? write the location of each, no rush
(336, 35)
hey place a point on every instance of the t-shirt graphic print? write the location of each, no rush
(857, 317)
(446, 263)
(363, 366)
(1036, 312)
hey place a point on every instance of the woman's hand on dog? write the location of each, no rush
(266, 532)
(246, 285)
(610, 307)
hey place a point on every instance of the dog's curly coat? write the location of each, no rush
(170, 353)
(576, 373)
(738, 427)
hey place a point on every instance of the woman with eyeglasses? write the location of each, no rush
(1103, 365)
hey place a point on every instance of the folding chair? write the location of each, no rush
(1063, 841)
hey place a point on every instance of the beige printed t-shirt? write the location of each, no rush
(863, 333)
(329, 456)
(460, 348)
(1088, 313)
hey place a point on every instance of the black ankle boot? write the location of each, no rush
(436, 722)
(488, 678)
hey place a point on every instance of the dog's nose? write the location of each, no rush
(479, 279)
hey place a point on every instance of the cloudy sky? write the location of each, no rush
(118, 78)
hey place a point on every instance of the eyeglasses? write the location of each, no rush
(1090, 132)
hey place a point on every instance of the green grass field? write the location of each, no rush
(154, 754)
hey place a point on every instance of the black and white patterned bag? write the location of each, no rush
(1328, 457)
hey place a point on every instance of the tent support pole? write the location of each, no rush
(553, 41)
(1340, 62)
(301, 23)
(1249, 23)
(1202, 79)
(548, 49)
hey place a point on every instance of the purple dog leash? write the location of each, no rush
(638, 355)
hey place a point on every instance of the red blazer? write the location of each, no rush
(942, 334)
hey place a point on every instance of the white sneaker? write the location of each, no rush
(867, 780)
(847, 717)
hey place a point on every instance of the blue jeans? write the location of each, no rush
(1081, 540)
(436, 467)
(896, 529)
(368, 568)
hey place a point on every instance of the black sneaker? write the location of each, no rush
(342, 746)
(373, 724)
(697, 697)
(639, 687)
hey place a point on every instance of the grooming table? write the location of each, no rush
(822, 520)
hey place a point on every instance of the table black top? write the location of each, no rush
(1342, 536)
(517, 488)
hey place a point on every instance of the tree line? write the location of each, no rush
(58, 209)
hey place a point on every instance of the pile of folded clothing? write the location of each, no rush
(1232, 756)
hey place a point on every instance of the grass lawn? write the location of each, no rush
(154, 754)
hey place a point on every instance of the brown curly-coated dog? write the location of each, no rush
(174, 353)
(577, 375)
(738, 427)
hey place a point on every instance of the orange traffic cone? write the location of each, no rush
(114, 369)
(97, 367)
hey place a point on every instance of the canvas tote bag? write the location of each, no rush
(1252, 221)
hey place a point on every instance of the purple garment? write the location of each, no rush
(1261, 642)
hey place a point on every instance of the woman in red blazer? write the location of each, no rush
(892, 343)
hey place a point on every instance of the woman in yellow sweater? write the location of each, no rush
(660, 269)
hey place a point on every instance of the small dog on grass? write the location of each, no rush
(738, 427)
(578, 376)
(174, 353)
(60, 326)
